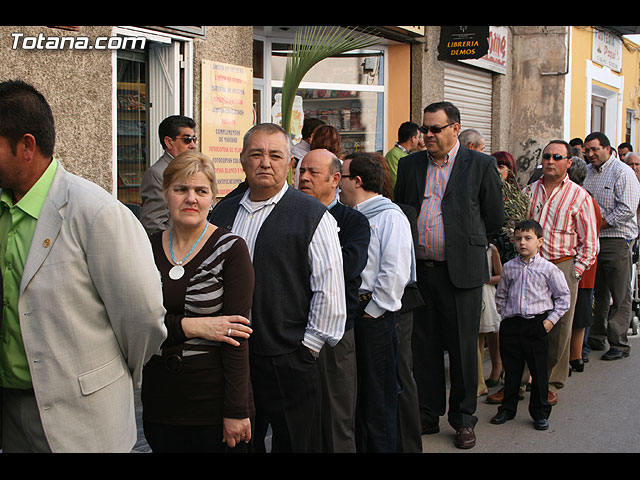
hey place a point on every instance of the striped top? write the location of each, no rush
(218, 280)
(205, 290)
(430, 225)
(328, 309)
(617, 191)
(568, 222)
(529, 289)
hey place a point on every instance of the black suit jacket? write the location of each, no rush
(411, 299)
(472, 207)
(354, 235)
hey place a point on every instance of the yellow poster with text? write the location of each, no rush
(227, 114)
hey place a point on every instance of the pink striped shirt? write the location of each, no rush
(568, 222)
(430, 225)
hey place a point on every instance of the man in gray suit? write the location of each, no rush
(176, 136)
(82, 302)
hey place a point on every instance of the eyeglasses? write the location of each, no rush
(593, 149)
(555, 156)
(348, 176)
(434, 129)
(187, 139)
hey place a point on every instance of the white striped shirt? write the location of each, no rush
(530, 289)
(568, 221)
(617, 191)
(328, 311)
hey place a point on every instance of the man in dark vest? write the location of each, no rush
(320, 174)
(299, 299)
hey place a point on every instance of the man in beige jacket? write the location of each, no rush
(82, 300)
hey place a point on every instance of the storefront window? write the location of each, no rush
(346, 92)
(357, 68)
(356, 115)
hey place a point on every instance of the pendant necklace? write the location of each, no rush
(177, 271)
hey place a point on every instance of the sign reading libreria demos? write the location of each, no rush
(227, 114)
(463, 42)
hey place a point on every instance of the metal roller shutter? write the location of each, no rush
(470, 90)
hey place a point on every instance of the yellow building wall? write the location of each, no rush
(398, 91)
(631, 69)
(581, 50)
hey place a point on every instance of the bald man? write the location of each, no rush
(320, 174)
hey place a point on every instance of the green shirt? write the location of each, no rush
(393, 156)
(17, 225)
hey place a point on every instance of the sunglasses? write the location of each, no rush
(555, 156)
(434, 129)
(187, 139)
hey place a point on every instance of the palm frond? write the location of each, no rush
(311, 45)
(517, 206)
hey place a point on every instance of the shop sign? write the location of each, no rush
(463, 42)
(496, 58)
(606, 50)
(227, 114)
(413, 30)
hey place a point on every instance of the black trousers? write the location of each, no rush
(525, 340)
(377, 380)
(287, 395)
(449, 322)
(163, 438)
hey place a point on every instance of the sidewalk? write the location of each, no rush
(598, 411)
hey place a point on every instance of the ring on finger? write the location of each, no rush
(229, 333)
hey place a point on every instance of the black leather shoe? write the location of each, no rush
(614, 354)
(430, 428)
(465, 437)
(501, 417)
(577, 365)
(541, 424)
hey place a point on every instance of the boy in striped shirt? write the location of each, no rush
(531, 297)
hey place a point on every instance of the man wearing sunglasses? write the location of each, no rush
(567, 215)
(177, 135)
(458, 195)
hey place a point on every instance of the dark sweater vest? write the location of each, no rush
(282, 293)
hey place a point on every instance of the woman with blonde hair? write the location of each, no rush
(196, 394)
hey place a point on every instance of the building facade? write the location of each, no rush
(534, 84)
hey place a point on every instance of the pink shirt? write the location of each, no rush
(430, 226)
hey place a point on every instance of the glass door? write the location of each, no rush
(132, 122)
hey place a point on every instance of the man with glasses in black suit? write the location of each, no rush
(457, 193)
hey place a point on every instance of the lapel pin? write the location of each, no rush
(46, 243)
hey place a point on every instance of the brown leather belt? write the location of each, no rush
(560, 260)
